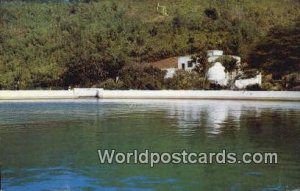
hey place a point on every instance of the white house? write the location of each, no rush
(216, 73)
(185, 63)
(181, 63)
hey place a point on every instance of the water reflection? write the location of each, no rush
(210, 116)
(52, 145)
(213, 115)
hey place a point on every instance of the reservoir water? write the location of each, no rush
(52, 145)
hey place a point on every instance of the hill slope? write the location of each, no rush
(61, 44)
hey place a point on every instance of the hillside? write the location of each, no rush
(58, 44)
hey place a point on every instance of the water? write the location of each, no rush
(52, 145)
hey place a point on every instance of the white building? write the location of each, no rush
(216, 73)
(213, 55)
(185, 63)
(243, 83)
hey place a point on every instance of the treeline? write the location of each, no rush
(88, 43)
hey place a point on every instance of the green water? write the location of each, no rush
(52, 145)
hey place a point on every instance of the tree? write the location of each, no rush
(136, 76)
(177, 23)
(185, 80)
(278, 53)
(111, 84)
(202, 65)
(229, 63)
(191, 44)
(292, 81)
(211, 13)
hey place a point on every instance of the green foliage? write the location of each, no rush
(203, 65)
(255, 87)
(211, 13)
(85, 43)
(111, 84)
(186, 80)
(279, 52)
(249, 73)
(142, 77)
(177, 22)
(269, 84)
(292, 81)
(229, 63)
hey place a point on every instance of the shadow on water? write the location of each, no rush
(53, 145)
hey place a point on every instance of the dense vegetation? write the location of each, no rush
(92, 43)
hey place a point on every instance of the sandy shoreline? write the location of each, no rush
(148, 94)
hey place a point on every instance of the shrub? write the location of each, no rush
(229, 63)
(255, 87)
(137, 76)
(215, 87)
(186, 80)
(111, 84)
(211, 13)
(291, 80)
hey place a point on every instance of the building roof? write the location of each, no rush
(166, 63)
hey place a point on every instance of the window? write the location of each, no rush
(183, 66)
(190, 64)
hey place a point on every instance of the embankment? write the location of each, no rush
(149, 94)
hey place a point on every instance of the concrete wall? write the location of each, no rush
(243, 83)
(37, 94)
(87, 92)
(49, 94)
(149, 94)
(200, 94)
